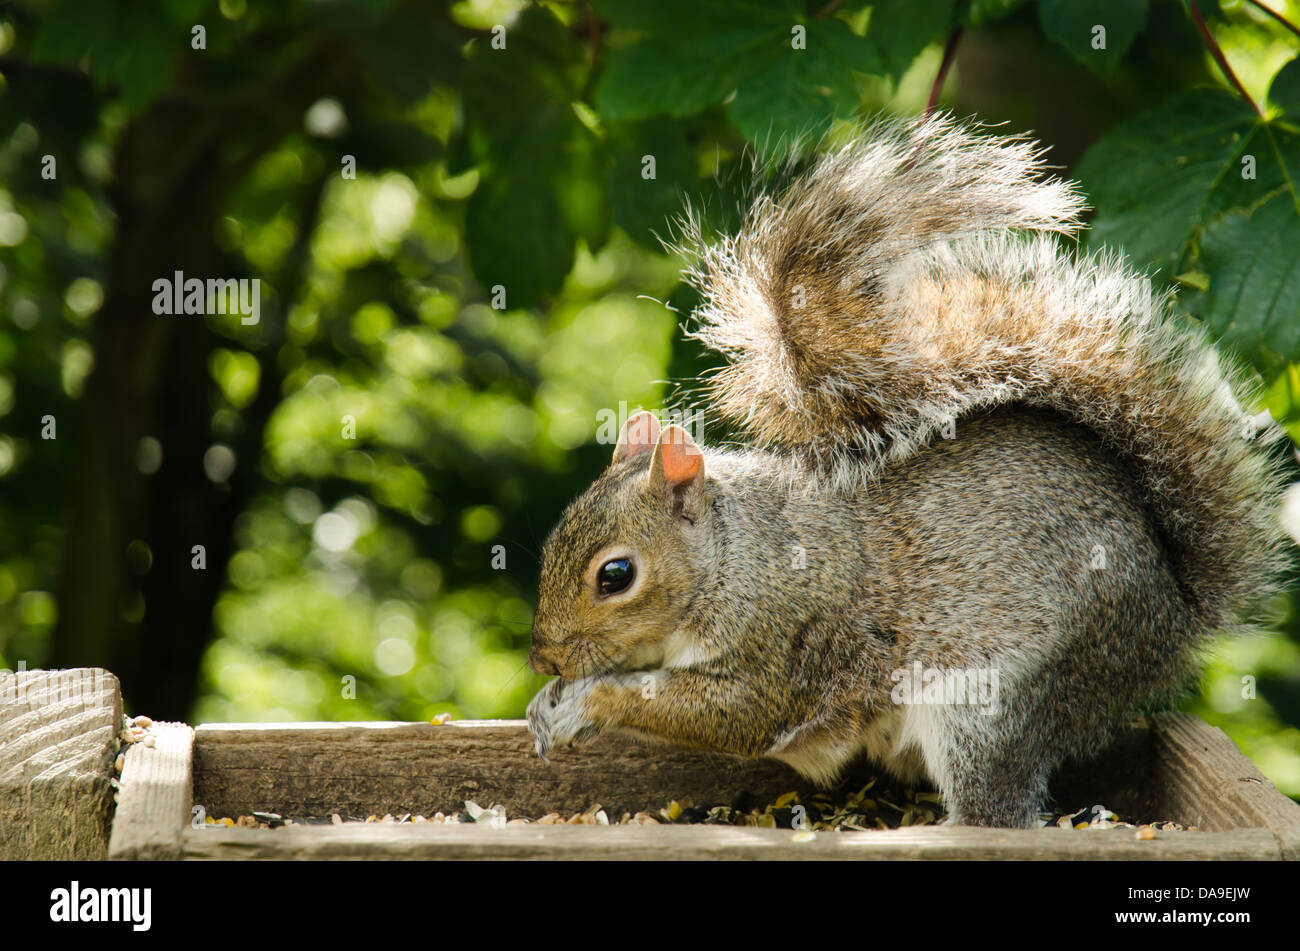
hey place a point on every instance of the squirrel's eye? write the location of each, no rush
(615, 575)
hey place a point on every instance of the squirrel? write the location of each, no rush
(971, 452)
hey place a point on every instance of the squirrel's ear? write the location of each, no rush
(640, 434)
(678, 467)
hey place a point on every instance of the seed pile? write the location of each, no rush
(877, 805)
(1099, 817)
(134, 730)
(871, 807)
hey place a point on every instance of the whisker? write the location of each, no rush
(532, 552)
(508, 682)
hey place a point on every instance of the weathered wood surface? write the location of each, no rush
(57, 729)
(640, 843)
(1206, 781)
(1177, 768)
(154, 801)
(362, 769)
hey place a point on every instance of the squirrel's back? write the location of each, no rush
(1022, 518)
(1021, 552)
(909, 279)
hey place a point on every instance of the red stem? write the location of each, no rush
(1217, 53)
(949, 54)
(1277, 16)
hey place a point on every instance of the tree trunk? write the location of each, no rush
(130, 598)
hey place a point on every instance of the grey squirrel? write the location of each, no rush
(970, 451)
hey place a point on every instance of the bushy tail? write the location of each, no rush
(907, 279)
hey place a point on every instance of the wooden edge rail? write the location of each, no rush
(640, 843)
(57, 731)
(361, 769)
(1206, 781)
(154, 801)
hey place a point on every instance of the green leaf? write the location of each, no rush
(900, 29)
(408, 50)
(1197, 280)
(517, 238)
(129, 45)
(1159, 177)
(643, 206)
(1282, 399)
(1095, 32)
(1284, 92)
(688, 16)
(69, 29)
(188, 11)
(538, 161)
(1253, 301)
(677, 75)
(526, 88)
(791, 93)
(1205, 189)
(143, 65)
(780, 91)
(578, 180)
(979, 12)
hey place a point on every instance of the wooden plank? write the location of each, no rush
(155, 797)
(1206, 781)
(641, 843)
(1175, 771)
(361, 769)
(57, 729)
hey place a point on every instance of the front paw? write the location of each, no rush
(557, 715)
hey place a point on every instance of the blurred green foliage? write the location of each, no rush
(372, 467)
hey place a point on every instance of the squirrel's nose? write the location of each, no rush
(542, 661)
